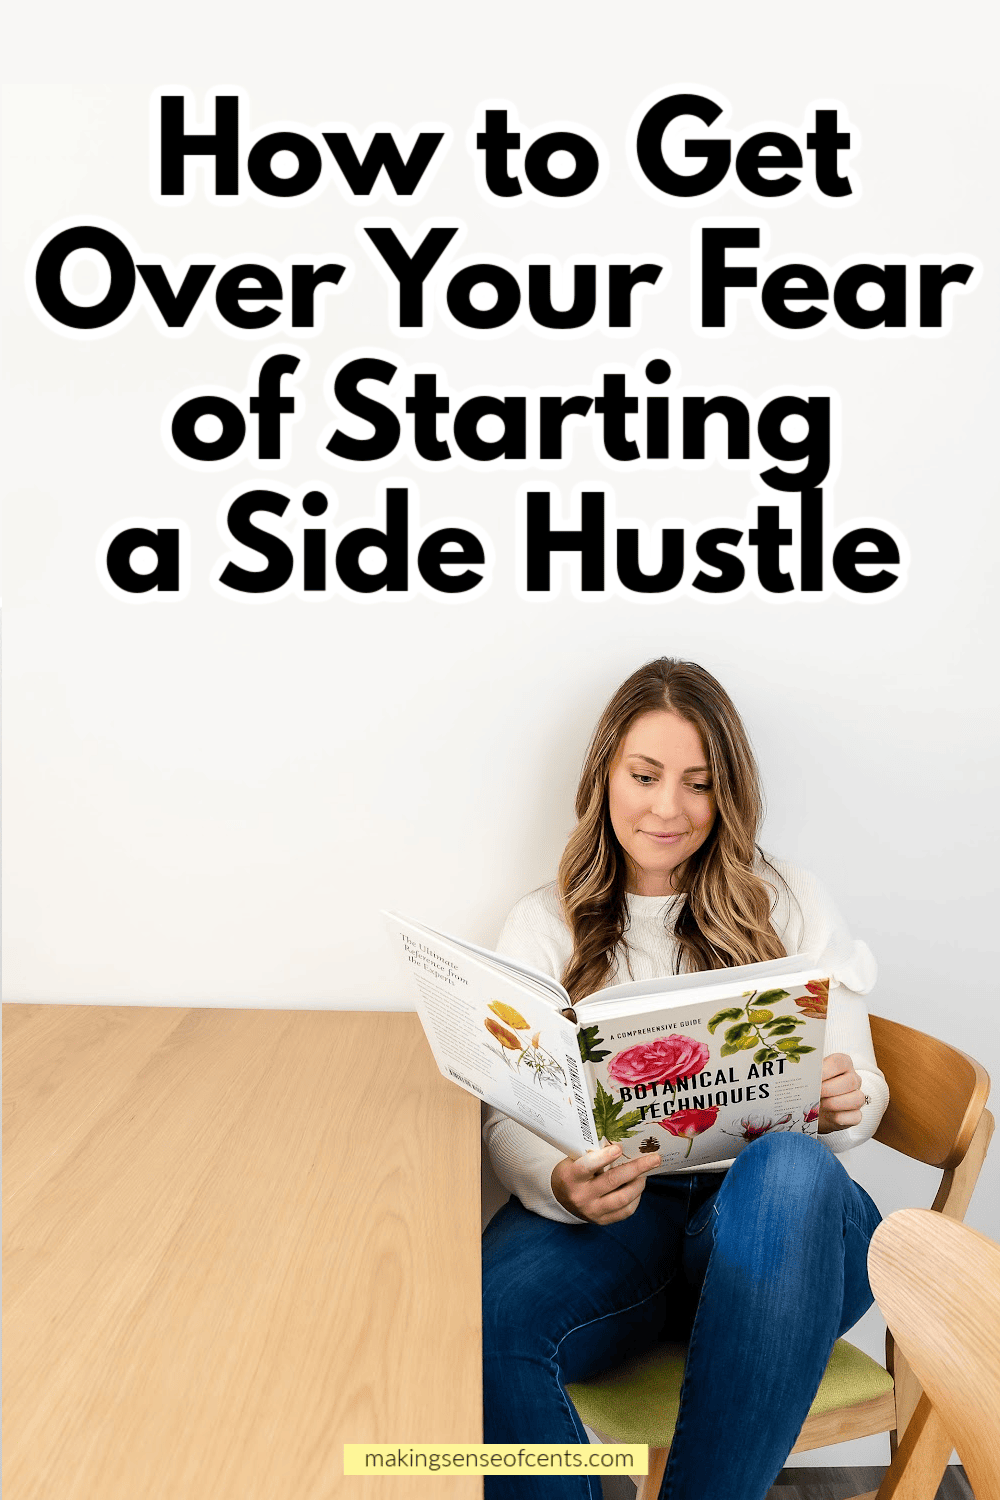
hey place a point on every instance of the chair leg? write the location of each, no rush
(920, 1459)
(915, 1473)
(649, 1484)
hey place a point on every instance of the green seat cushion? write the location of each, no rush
(638, 1401)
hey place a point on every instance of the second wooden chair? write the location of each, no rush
(938, 1285)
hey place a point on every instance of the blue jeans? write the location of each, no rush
(761, 1270)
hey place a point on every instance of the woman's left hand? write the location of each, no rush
(840, 1095)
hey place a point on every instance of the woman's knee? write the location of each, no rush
(790, 1157)
(790, 1176)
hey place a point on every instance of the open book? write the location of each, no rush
(694, 1066)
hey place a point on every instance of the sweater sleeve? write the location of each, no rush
(523, 1163)
(534, 933)
(810, 923)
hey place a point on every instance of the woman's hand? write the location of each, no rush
(600, 1197)
(840, 1095)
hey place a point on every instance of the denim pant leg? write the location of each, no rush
(786, 1243)
(562, 1302)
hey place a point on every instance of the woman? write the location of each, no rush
(760, 1264)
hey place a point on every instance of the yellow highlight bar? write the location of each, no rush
(507, 1458)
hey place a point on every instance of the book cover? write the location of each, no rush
(702, 1079)
(694, 1067)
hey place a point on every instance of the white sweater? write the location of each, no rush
(804, 918)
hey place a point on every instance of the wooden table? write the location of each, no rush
(233, 1241)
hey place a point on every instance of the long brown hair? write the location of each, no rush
(725, 915)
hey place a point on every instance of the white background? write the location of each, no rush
(207, 801)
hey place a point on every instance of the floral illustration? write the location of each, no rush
(504, 1037)
(810, 1116)
(687, 1123)
(756, 1025)
(815, 1003)
(530, 1054)
(752, 1127)
(509, 1014)
(663, 1061)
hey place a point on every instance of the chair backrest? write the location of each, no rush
(938, 1286)
(936, 1094)
(937, 1114)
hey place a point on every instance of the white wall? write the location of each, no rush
(207, 801)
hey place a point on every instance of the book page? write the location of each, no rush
(793, 967)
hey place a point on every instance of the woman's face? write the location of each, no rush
(660, 799)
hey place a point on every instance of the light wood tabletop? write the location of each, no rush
(233, 1241)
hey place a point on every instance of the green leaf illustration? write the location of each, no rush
(782, 1025)
(772, 997)
(736, 1033)
(793, 1050)
(608, 1117)
(766, 1054)
(723, 1015)
(792, 1044)
(589, 1044)
(739, 1044)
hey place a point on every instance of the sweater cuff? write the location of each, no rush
(524, 1164)
(876, 1091)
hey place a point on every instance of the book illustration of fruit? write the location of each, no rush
(529, 1051)
(773, 1036)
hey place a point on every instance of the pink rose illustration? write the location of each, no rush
(663, 1061)
(687, 1123)
(815, 1003)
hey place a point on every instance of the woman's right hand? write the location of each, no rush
(600, 1197)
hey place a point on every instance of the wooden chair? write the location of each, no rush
(937, 1283)
(937, 1114)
